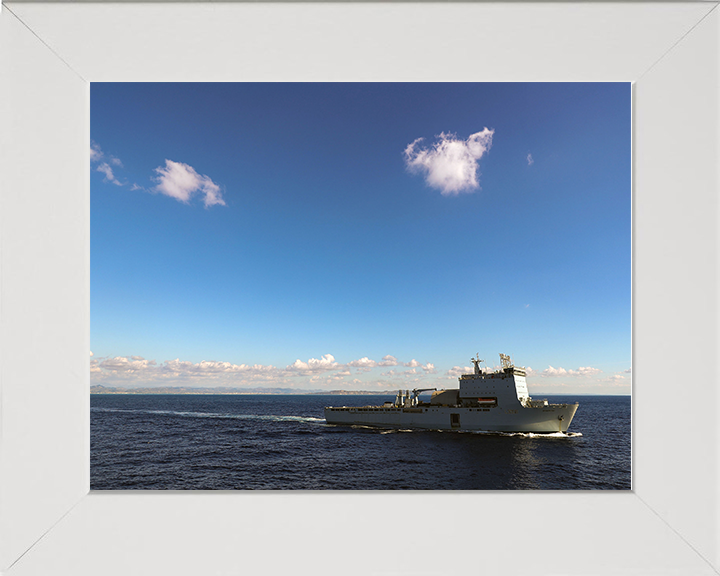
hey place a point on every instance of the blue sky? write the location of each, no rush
(360, 236)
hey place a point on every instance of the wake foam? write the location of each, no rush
(217, 415)
(314, 420)
(529, 434)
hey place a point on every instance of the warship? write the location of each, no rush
(487, 400)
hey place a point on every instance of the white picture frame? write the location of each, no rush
(50, 522)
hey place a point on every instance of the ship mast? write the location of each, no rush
(476, 361)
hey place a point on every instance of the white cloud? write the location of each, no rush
(412, 364)
(211, 367)
(450, 164)
(176, 179)
(95, 152)
(363, 363)
(313, 365)
(457, 371)
(109, 176)
(121, 364)
(585, 371)
(181, 181)
(617, 380)
(96, 155)
(530, 160)
(149, 371)
(554, 372)
(388, 361)
(313, 373)
(429, 368)
(582, 371)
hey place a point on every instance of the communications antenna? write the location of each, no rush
(476, 362)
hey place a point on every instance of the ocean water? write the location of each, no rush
(274, 442)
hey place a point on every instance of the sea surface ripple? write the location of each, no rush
(273, 442)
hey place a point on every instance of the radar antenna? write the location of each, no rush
(476, 361)
(505, 361)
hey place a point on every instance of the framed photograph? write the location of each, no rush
(283, 275)
(50, 53)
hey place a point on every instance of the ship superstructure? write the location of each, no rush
(492, 400)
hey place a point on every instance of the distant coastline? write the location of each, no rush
(98, 389)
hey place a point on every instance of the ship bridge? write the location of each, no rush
(506, 384)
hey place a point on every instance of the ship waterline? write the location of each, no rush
(494, 401)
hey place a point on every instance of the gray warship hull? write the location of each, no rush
(548, 419)
(494, 401)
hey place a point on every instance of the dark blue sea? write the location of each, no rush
(273, 442)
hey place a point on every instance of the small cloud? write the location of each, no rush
(97, 155)
(530, 160)
(527, 305)
(109, 176)
(122, 364)
(388, 361)
(181, 181)
(314, 365)
(429, 368)
(412, 364)
(450, 164)
(628, 371)
(95, 152)
(618, 381)
(550, 372)
(582, 371)
(364, 363)
(585, 371)
(457, 371)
